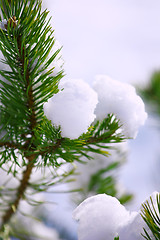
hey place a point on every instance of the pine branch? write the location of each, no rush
(14, 45)
(26, 85)
(151, 215)
(30, 165)
(98, 137)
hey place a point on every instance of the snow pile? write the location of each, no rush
(103, 217)
(100, 217)
(135, 226)
(72, 108)
(75, 107)
(120, 99)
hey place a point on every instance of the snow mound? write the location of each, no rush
(72, 108)
(120, 99)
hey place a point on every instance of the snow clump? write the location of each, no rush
(75, 108)
(72, 108)
(100, 217)
(103, 217)
(121, 100)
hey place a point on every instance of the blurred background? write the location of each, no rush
(120, 39)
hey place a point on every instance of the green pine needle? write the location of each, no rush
(151, 215)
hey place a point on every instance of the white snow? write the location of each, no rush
(72, 108)
(100, 217)
(133, 229)
(103, 217)
(120, 99)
